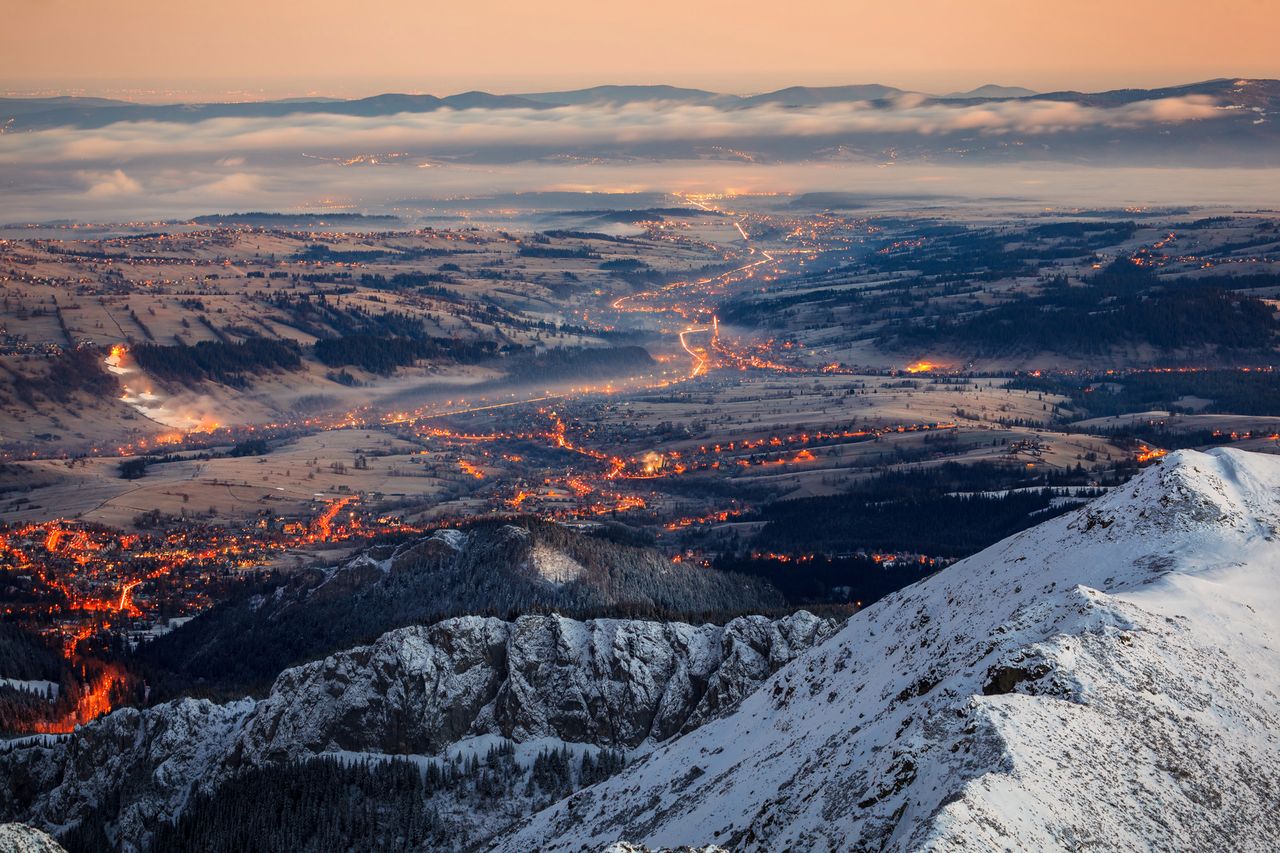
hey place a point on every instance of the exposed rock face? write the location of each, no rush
(606, 682)
(611, 683)
(19, 838)
(142, 763)
(1109, 679)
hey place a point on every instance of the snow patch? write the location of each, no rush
(554, 566)
(40, 688)
(20, 838)
(455, 539)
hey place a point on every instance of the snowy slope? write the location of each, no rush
(1107, 680)
(491, 567)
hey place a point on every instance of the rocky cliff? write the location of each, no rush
(419, 691)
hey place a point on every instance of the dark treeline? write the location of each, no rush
(580, 362)
(915, 511)
(321, 317)
(637, 273)
(1094, 235)
(392, 804)
(1252, 392)
(974, 477)
(425, 282)
(1122, 306)
(377, 342)
(942, 525)
(26, 657)
(528, 251)
(825, 580)
(282, 220)
(383, 354)
(321, 252)
(72, 371)
(218, 361)
(274, 622)
(319, 806)
(1174, 438)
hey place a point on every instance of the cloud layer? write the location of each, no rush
(143, 169)
(461, 131)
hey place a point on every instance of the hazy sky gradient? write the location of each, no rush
(255, 48)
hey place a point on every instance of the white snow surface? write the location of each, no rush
(39, 687)
(1107, 680)
(20, 838)
(456, 539)
(555, 566)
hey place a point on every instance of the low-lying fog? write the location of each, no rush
(1169, 151)
(144, 192)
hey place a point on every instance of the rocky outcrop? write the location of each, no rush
(19, 838)
(415, 691)
(139, 765)
(608, 682)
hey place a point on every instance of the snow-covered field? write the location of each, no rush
(41, 688)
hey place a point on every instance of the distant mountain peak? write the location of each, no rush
(992, 90)
(625, 94)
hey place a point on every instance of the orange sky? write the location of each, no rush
(348, 47)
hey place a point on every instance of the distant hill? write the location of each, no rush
(808, 96)
(1232, 91)
(39, 113)
(992, 90)
(626, 95)
(259, 219)
(1230, 124)
(26, 106)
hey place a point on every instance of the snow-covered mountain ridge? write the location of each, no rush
(1107, 680)
(415, 691)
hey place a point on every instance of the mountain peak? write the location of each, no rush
(1188, 491)
(985, 705)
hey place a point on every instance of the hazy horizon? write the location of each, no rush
(351, 88)
(148, 162)
(242, 49)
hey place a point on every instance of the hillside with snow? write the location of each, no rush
(1108, 680)
(426, 695)
(490, 569)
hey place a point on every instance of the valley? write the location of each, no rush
(658, 428)
(232, 448)
(194, 410)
